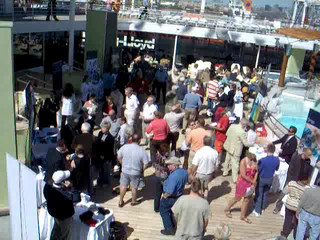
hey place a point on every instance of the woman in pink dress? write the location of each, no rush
(245, 186)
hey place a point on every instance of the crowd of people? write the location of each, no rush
(132, 121)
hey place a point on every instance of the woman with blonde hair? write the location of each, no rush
(245, 186)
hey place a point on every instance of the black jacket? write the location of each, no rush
(297, 166)
(58, 204)
(80, 175)
(105, 148)
(288, 148)
(54, 161)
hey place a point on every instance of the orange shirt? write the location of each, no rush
(195, 138)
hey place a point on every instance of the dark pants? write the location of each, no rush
(62, 229)
(279, 202)
(290, 222)
(154, 147)
(172, 139)
(162, 86)
(166, 213)
(158, 193)
(52, 8)
(262, 190)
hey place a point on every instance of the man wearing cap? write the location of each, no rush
(59, 205)
(147, 116)
(173, 188)
(134, 161)
(174, 119)
(191, 104)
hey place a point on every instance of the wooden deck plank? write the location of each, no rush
(145, 224)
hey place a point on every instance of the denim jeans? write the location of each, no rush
(166, 213)
(158, 193)
(262, 190)
(313, 221)
(211, 104)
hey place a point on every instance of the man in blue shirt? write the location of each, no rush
(161, 78)
(191, 104)
(173, 188)
(266, 167)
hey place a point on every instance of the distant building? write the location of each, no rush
(267, 7)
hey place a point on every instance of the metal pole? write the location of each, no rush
(174, 53)
(71, 34)
(43, 55)
(258, 56)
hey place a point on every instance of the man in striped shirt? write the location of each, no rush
(212, 91)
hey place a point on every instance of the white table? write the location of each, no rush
(280, 175)
(80, 231)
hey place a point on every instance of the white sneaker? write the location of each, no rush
(255, 213)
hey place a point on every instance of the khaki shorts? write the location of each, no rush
(133, 180)
(205, 179)
(191, 156)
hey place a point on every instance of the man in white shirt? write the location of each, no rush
(147, 116)
(131, 107)
(204, 164)
(122, 133)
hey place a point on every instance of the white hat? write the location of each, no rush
(60, 176)
(173, 161)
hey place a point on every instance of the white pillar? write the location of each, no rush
(174, 54)
(304, 13)
(203, 6)
(258, 56)
(71, 34)
(123, 4)
(132, 4)
(294, 11)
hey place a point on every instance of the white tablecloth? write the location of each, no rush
(80, 231)
(40, 185)
(280, 176)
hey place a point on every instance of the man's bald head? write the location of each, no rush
(307, 153)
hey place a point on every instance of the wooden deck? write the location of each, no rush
(144, 224)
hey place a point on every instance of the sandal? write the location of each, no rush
(247, 220)
(134, 203)
(120, 204)
(228, 213)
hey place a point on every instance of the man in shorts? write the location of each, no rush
(134, 161)
(204, 165)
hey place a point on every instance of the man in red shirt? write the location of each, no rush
(160, 130)
(221, 130)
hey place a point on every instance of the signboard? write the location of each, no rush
(311, 135)
(134, 42)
